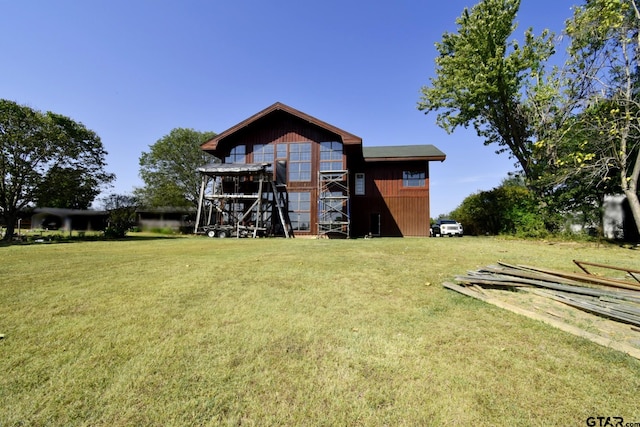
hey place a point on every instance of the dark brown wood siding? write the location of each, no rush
(281, 128)
(401, 211)
(398, 210)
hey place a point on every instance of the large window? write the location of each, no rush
(237, 155)
(413, 178)
(263, 153)
(332, 209)
(331, 156)
(300, 210)
(300, 161)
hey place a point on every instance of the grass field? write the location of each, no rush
(198, 331)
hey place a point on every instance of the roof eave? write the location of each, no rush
(404, 159)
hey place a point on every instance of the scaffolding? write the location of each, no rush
(242, 200)
(333, 204)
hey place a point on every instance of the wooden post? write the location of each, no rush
(202, 187)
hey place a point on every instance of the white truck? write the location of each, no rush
(447, 227)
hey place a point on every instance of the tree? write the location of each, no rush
(122, 214)
(605, 63)
(169, 169)
(507, 209)
(481, 76)
(68, 188)
(32, 145)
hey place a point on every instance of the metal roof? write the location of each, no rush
(426, 152)
(216, 168)
(68, 212)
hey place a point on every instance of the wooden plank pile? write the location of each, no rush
(615, 299)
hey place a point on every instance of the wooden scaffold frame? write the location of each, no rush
(333, 204)
(242, 200)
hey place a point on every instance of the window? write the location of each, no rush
(300, 161)
(300, 210)
(413, 178)
(331, 156)
(359, 184)
(281, 151)
(237, 155)
(262, 153)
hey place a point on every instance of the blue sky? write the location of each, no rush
(132, 70)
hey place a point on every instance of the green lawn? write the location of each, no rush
(198, 331)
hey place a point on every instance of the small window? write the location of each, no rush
(237, 155)
(413, 178)
(359, 188)
(262, 153)
(281, 151)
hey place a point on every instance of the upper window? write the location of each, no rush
(237, 155)
(281, 151)
(413, 178)
(331, 156)
(262, 153)
(300, 161)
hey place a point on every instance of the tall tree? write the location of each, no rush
(605, 64)
(68, 188)
(482, 75)
(32, 144)
(169, 169)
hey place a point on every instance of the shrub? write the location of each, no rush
(508, 209)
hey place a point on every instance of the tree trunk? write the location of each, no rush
(634, 204)
(10, 219)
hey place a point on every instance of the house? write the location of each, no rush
(173, 218)
(68, 219)
(334, 185)
(617, 219)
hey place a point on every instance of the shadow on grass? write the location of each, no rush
(57, 239)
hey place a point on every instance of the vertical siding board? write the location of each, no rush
(404, 211)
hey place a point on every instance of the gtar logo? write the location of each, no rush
(605, 421)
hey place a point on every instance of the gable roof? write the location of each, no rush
(347, 138)
(426, 152)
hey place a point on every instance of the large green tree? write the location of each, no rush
(69, 188)
(33, 145)
(482, 76)
(604, 65)
(169, 169)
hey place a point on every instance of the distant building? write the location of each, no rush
(68, 219)
(334, 184)
(176, 219)
(618, 222)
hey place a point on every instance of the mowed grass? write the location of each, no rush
(198, 331)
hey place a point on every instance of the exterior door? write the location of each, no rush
(374, 224)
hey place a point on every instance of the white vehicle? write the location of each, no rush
(447, 227)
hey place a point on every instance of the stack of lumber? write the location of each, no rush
(614, 299)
